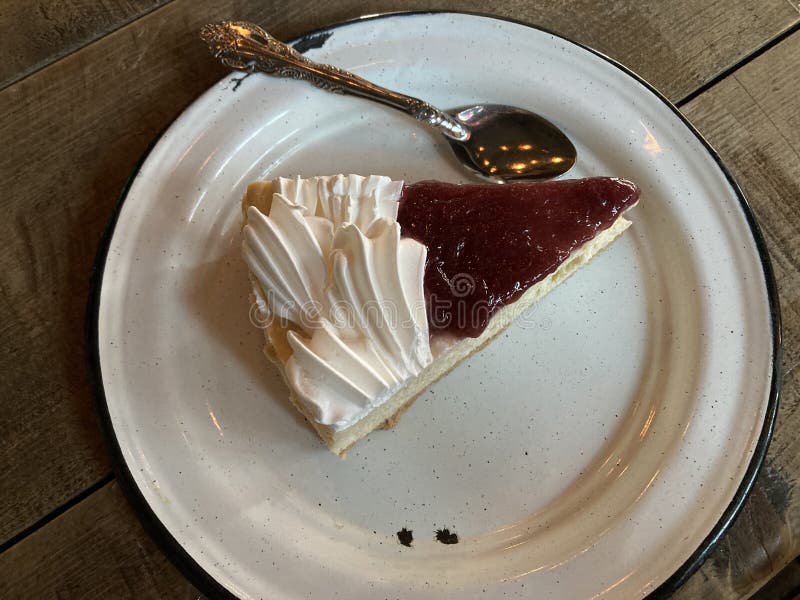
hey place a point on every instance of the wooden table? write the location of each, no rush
(84, 89)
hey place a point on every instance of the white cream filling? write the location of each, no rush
(330, 258)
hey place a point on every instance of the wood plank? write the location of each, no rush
(40, 32)
(676, 45)
(753, 119)
(97, 549)
(74, 130)
(786, 585)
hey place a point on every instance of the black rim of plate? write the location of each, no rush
(210, 586)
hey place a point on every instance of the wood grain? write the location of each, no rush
(753, 119)
(97, 549)
(38, 32)
(786, 585)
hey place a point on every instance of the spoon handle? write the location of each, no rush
(247, 47)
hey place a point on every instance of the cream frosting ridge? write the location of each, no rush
(334, 273)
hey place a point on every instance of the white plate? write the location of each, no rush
(596, 449)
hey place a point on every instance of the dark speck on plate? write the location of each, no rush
(445, 537)
(405, 536)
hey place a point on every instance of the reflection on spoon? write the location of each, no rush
(512, 143)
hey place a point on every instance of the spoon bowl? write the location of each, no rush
(496, 141)
(511, 143)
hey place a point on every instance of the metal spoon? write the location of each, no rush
(497, 141)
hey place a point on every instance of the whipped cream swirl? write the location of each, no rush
(344, 290)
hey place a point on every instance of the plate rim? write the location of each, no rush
(314, 38)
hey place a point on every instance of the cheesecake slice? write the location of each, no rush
(369, 290)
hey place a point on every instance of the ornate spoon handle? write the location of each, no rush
(246, 47)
